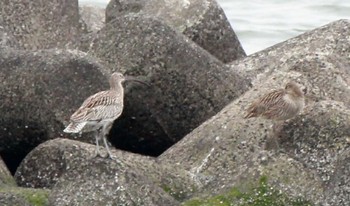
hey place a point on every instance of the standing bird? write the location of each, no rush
(98, 112)
(278, 105)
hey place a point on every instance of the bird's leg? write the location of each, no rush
(277, 129)
(272, 140)
(97, 150)
(97, 138)
(107, 148)
(105, 131)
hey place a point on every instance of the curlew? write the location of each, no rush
(98, 112)
(278, 105)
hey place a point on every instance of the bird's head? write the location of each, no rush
(293, 89)
(117, 77)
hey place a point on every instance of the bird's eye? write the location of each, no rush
(305, 90)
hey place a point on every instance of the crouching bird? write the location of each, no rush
(278, 105)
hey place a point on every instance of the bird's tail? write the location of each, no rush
(249, 115)
(252, 111)
(74, 127)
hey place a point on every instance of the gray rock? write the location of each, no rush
(6, 178)
(318, 137)
(101, 183)
(188, 85)
(204, 22)
(7, 199)
(321, 55)
(6, 39)
(41, 24)
(75, 177)
(118, 8)
(227, 149)
(93, 17)
(338, 185)
(39, 92)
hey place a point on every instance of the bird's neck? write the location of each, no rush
(117, 87)
(296, 95)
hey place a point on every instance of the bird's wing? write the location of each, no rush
(100, 98)
(90, 108)
(265, 104)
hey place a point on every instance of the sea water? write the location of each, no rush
(263, 23)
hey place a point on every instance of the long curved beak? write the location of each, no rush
(130, 78)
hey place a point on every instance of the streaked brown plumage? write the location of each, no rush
(99, 111)
(278, 105)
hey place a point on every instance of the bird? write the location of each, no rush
(98, 112)
(278, 105)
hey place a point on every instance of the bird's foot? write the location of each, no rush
(112, 157)
(98, 154)
(272, 144)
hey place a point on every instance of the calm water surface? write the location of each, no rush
(263, 23)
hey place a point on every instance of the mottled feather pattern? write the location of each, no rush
(278, 105)
(74, 127)
(99, 106)
(100, 98)
(266, 104)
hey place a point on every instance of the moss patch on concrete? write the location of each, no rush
(176, 193)
(7, 180)
(36, 197)
(259, 195)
